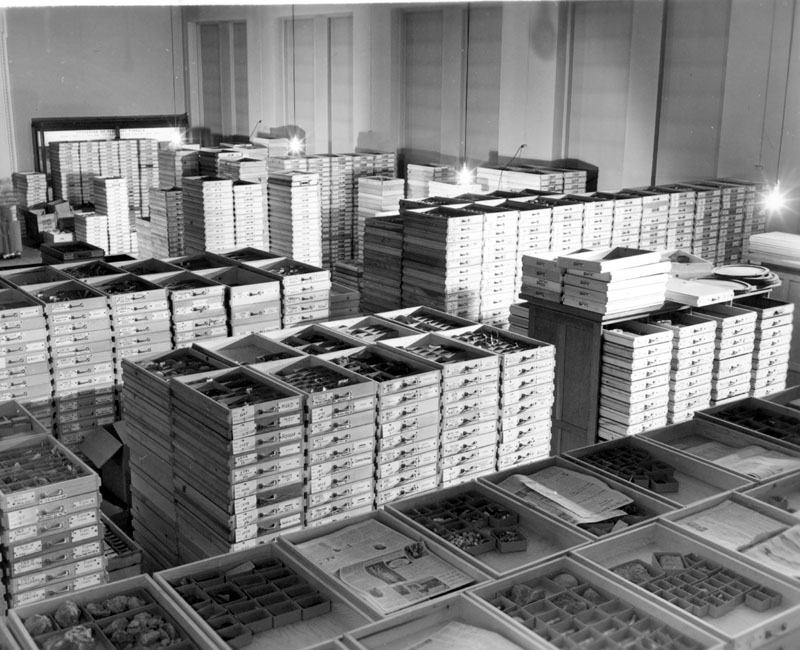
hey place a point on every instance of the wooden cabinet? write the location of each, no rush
(789, 291)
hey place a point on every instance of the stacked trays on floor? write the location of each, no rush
(208, 214)
(339, 436)
(470, 403)
(253, 299)
(733, 353)
(148, 416)
(197, 305)
(239, 455)
(634, 379)
(526, 398)
(166, 221)
(440, 267)
(692, 363)
(295, 217)
(499, 264)
(406, 420)
(381, 288)
(305, 290)
(50, 508)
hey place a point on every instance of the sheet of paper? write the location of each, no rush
(570, 495)
(402, 578)
(352, 544)
(781, 552)
(732, 525)
(464, 637)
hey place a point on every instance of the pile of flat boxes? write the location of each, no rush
(50, 509)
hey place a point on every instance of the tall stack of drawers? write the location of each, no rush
(340, 436)
(249, 217)
(706, 221)
(253, 299)
(773, 336)
(654, 232)
(634, 379)
(627, 223)
(208, 218)
(567, 225)
(148, 417)
(82, 357)
(174, 164)
(111, 198)
(166, 221)
(140, 315)
(305, 290)
(733, 354)
(470, 405)
(25, 375)
(499, 267)
(692, 363)
(680, 229)
(598, 221)
(295, 216)
(50, 509)
(732, 201)
(440, 267)
(197, 305)
(534, 228)
(375, 194)
(527, 393)
(238, 443)
(406, 420)
(383, 264)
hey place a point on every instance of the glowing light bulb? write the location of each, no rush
(177, 140)
(465, 175)
(775, 200)
(295, 145)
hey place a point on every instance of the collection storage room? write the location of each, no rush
(391, 326)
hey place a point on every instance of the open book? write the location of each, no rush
(387, 569)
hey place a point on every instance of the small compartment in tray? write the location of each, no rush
(782, 493)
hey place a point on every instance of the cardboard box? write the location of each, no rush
(106, 447)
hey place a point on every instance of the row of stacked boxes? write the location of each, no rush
(68, 327)
(318, 424)
(662, 369)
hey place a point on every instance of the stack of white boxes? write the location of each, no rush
(166, 222)
(295, 217)
(692, 363)
(147, 171)
(174, 164)
(614, 281)
(634, 379)
(30, 187)
(375, 194)
(527, 393)
(92, 228)
(733, 353)
(148, 416)
(253, 299)
(418, 178)
(499, 263)
(598, 221)
(533, 231)
(567, 228)
(140, 315)
(654, 229)
(82, 356)
(208, 214)
(305, 291)
(339, 436)
(24, 354)
(627, 218)
(440, 265)
(773, 338)
(197, 305)
(470, 405)
(111, 199)
(52, 535)
(680, 229)
(706, 221)
(65, 171)
(406, 420)
(238, 471)
(249, 218)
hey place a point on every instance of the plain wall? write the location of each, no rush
(91, 62)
